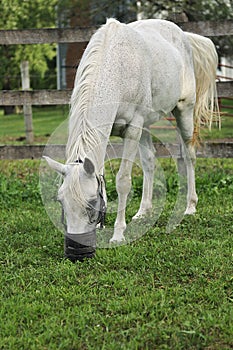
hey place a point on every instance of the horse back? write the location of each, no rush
(171, 61)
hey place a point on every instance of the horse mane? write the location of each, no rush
(75, 187)
(83, 137)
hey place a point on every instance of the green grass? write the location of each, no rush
(225, 132)
(226, 124)
(164, 291)
(45, 121)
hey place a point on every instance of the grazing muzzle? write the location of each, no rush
(77, 247)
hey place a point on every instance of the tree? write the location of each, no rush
(25, 14)
(194, 10)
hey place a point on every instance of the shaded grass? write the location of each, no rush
(164, 291)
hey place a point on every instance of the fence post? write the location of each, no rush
(27, 109)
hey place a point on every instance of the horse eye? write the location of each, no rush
(91, 211)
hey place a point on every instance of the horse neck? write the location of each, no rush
(91, 116)
(90, 137)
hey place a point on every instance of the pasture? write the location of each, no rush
(164, 291)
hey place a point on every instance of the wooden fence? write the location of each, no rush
(209, 149)
(225, 102)
(57, 97)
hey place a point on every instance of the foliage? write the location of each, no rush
(194, 10)
(25, 14)
(165, 291)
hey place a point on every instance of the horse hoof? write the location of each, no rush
(138, 216)
(190, 211)
(117, 240)
(141, 214)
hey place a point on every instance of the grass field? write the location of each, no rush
(164, 291)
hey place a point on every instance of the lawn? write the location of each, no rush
(164, 291)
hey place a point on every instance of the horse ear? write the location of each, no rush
(59, 167)
(88, 166)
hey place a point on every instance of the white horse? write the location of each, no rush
(129, 77)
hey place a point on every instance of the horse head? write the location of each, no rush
(83, 206)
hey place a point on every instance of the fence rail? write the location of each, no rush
(34, 97)
(208, 150)
(60, 97)
(70, 35)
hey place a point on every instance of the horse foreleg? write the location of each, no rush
(123, 178)
(147, 156)
(190, 166)
(123, 186)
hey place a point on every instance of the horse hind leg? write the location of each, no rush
(184, 118)
(192, 198)
(147, 156)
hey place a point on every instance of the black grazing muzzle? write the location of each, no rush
(77, 247)
(83, 245)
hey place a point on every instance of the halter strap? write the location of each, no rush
(102, 210)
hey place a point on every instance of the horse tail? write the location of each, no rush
(205, 61)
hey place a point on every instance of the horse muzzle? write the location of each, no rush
(77, 247)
